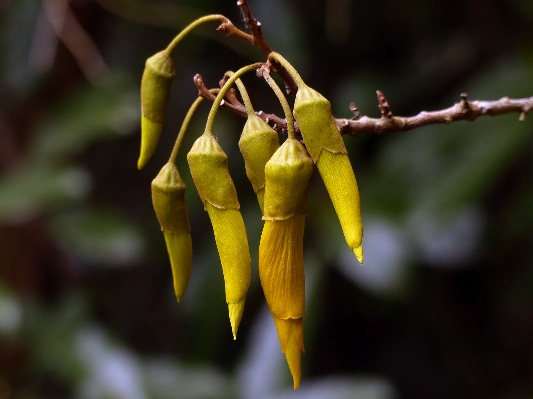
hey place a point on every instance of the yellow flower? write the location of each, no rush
(168, 198)
(281, 262)
(209, 169)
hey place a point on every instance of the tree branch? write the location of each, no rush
(463, 110)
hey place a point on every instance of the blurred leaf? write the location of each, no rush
(95, 112)
(52, 333)
(37, 188)
(441, 169)
(17, 29)
(167, 379)
(99, 236)
(10, 312)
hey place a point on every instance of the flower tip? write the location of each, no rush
(293, 355)
(141, 163)
(235, 315)
(150, 133)
(358, 251)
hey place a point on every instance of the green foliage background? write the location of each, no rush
(442, 308)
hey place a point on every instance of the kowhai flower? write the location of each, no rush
(168, 198)
(281, 262)
(209, 169)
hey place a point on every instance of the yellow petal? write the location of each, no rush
(290, 333)
(286, 328)
(232, 245)
(359, 253)
(294, 360)
(150, 133)
(179, 248)
(235, 315)
(339, 179)
(281, 266)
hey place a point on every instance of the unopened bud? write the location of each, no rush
(155, 93)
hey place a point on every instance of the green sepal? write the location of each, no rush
(155, 86)
(287, 176)
(179, 248)
(312, 111)
(258, 143)
(209, 169)
(155, 94)
(168, 198)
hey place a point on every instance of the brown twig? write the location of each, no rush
(383, 105)
(260, 42)
(231, 30)
(277, 123)
(464, 110)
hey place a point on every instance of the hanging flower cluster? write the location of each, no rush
(279, 175)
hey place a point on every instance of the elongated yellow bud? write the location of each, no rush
(258, 143)
(312, 111)
(168, 198)
(281, 262)
(326, 147)
(179, 248)
(339, 179)
(155, 93)
(232, 245)
(209, 169)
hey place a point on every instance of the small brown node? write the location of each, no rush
(355, 111)
(464, 101)
(383, 105)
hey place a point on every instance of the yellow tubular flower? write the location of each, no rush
(312, 111)
(168, 197)
(209, 169)
(281, 262)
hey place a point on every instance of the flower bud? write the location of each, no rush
(325, 145)
(258, 143)
(209, 169)
(155, 93)
(168, 198)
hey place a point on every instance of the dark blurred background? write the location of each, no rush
(443, 306)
